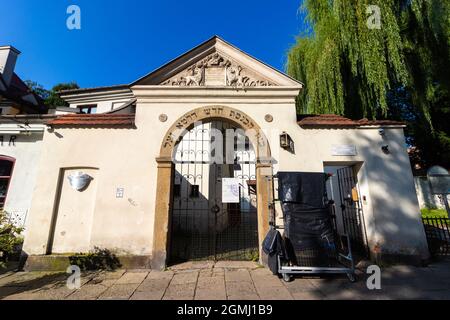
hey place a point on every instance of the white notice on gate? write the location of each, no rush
(230, 190)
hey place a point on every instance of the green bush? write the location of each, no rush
(10, 239)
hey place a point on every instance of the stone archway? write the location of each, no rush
(161, 231)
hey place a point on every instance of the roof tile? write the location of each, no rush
(94, 120)
(333, 120)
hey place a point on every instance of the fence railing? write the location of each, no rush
(437, 230)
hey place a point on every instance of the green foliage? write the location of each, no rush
(10, 239)
(398, 71)
(51, 97)
(54, 100)
(98, 259)
(341, 49)
(434, 213)
(37, 89)
(426, 38)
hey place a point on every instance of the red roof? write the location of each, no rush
(333, 120)
(94, 120)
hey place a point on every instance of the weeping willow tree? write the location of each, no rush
(340, 49)
(355, 68)
(426, 41)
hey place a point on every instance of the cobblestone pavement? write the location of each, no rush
(226, 280)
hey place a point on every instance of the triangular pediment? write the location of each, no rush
(217, 63)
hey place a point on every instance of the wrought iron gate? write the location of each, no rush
(202, 226)
(437, 230)
(352, 218)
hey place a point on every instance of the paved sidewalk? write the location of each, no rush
(225, 280)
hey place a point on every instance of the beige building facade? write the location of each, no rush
(127, 149)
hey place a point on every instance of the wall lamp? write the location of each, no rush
(286, 141)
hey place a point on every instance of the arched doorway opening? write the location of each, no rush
(214, 203)
(166, 174)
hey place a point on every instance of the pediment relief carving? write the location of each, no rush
(219, 71)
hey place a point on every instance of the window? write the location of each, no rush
(6, 168)
(88, 109)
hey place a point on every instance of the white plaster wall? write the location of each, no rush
(27, 151)
(8, 58)
(74, 213)
(126, 158)
(102, 106)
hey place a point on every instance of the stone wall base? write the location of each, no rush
(387, 259)
(61, 262)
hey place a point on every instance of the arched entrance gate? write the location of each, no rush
(170, 210)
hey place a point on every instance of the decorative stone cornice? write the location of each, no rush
(217, 70)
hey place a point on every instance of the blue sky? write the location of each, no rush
(120, 41)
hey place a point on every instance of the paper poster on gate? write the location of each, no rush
(230, 190)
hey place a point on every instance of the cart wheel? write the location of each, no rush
(351, 277)
(287, 277)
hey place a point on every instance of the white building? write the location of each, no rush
(152, 196)
(22, 125)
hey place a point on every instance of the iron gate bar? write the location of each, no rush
(204, 228)
(352, 219)
(437, 230)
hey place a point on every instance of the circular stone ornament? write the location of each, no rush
(268, 117)
(163, 117)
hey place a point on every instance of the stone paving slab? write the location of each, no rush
(119, 292)
(186, 277)
(241, 290)
(8, 292)
(25, 279)
(160, 274)
(226, 280)
(307, 295)
(88, 292)
(132, 278)
(269, 287)
(152, 289)
(210, 288)
(109, 275)
(193, 265)
(239, 275)
(273, 293)
(185, 291)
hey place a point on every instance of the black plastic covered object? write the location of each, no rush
(306, 188)
(307, 217)
(307, 228)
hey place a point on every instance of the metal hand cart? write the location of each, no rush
(339, 259)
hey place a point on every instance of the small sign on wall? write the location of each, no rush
(343, 150)
(120, 192)
(230, 190)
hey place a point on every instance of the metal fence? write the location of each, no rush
(437, 230)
